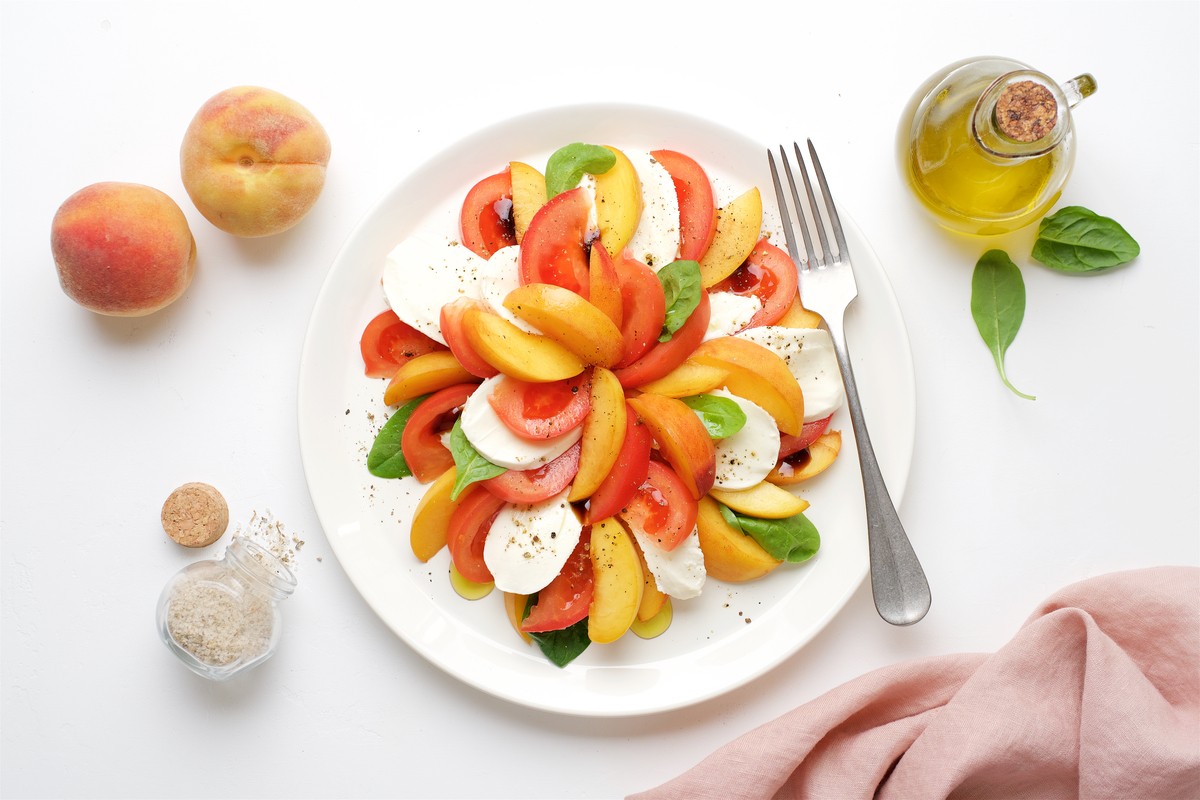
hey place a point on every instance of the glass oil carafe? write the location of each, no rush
(987, 144)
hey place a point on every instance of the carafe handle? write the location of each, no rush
(1079, 88)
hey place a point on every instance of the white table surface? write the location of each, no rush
(1007, 500)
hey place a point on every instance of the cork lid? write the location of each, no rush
(195, 515)
(1026, 111)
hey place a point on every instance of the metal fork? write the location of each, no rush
(827, 286)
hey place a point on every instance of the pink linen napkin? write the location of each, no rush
(1097, 696)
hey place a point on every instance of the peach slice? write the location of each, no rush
(682, 440)
(514, 352)
(729, 554)
(763, 500)
(426, 374)
(568, 319)
(603, 433)
(653, 598)
(821, 454)
(604, 287)
(514, 608)
(431, 519)
(618, 581)
(759, 375)
(689, 378)
(797, 316)
(618, 204)
(528, 195)
(738, 226)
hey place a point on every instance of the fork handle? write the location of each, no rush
(897, 580)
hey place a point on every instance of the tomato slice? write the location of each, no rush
(535, 485)
(567, 598)
(662, 507)
(770, 275)
(697, 207)
(467, 531)
(542, 410)
(666, 356)
(421, 442)
(486, 221)
(643, 308)
(627, 474)
(809, 433)
(455, 334)
(387, 343)
(555, 248)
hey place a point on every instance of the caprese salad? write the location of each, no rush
(605, 382)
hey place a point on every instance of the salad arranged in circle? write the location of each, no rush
(605, 384)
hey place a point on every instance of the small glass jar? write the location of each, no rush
(987, 144)
(221, 616)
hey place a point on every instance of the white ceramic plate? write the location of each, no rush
(729, 635)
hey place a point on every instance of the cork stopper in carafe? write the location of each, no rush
(1026, 111)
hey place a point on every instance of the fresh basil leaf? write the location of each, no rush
(793, 538)
(730, 517)
(563, 646)
(469, 464)
(998, 306)
(568, 164)
(1076, 239)
(721, 416)
(681, 286)
(386, 459)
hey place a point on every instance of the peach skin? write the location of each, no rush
(253, 161)
(122, 249)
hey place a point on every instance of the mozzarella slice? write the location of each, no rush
(420, 276)
(498, 276)
(527, 545)
(679, 573)
(749, 455)
(656, 239)
(809, 355)
(588, 183)
(488, 434)
(730, 313)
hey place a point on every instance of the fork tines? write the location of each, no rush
(812, 257)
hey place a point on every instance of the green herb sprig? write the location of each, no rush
(794, 539)
(470, 466)
(563, 646)
(681, 287)
(998, 306)
(386, 459)
(1076, 239)
(721, 416)
(568, 164)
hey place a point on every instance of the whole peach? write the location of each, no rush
(253, 161)
(122, 249)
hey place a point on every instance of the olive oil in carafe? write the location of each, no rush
(971, 189)
(987, 144)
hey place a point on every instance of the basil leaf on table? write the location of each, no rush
(386, 459)
(998, 306)
(793, 538)
(1076, 239)
(568, 164)
(681, 287)
(721, 416)
(470, 465)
